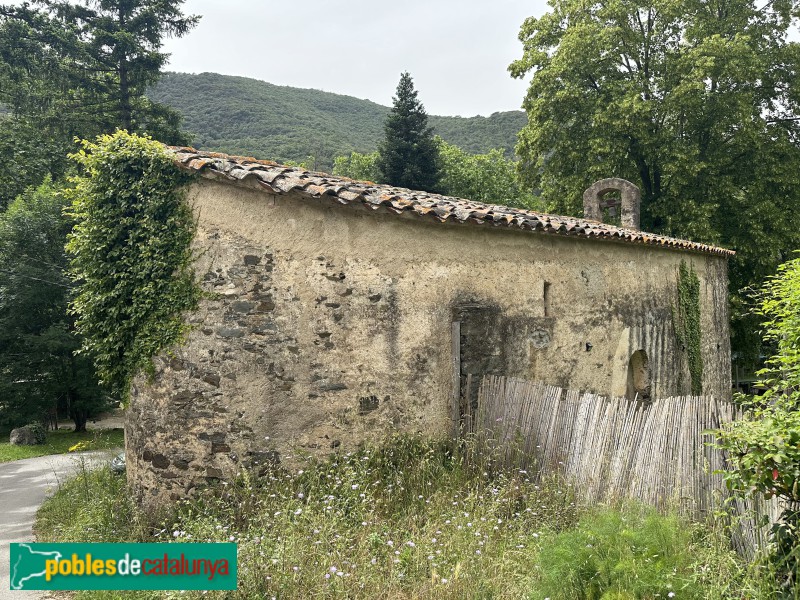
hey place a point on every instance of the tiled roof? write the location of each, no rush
(280, 179)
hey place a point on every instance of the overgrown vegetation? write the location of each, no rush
(130, 254)
(637, 553)
(764, 446)
(686, 318)
(410, 518)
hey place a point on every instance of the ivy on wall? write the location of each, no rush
(130, 254)
(687, 323)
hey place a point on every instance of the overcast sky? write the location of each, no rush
(457, 51)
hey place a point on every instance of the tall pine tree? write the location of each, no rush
(408, 156)
(82, 68)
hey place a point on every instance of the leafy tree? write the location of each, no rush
(363, 167)
(40, 376)
(489, 177)
(408, 156)
(130, 254)
(764, 446)
(29, 154)
(696, 102)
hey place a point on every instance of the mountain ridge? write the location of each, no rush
(240, 115)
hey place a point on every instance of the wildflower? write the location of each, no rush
(298, 511)
(671, 595)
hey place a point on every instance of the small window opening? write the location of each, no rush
(639, 376)
(611, 207)
(548, 309)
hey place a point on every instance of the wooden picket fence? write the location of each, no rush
(658, 452)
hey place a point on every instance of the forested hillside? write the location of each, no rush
(246, 116)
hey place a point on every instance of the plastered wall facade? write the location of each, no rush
(326, 326)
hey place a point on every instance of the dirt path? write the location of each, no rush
(24, 485)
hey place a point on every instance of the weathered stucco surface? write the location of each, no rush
(331, 325)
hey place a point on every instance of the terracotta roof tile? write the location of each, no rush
(280, 179)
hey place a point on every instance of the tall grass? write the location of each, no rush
(407, 519)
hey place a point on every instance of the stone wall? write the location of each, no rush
(326, 326)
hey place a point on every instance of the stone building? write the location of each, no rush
(342, 310)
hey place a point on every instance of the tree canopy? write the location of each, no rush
(696, 102)
(408, 156)
(82, 68)
(39, 373)
(489, 177)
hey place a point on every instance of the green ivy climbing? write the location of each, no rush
(687, 323)
(130, 254)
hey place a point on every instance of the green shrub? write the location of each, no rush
(634, 553)
(131, 254)
(763, 446)
(38, 431)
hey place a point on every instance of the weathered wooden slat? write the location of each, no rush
(614, 448)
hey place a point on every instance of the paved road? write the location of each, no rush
(24, 484)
